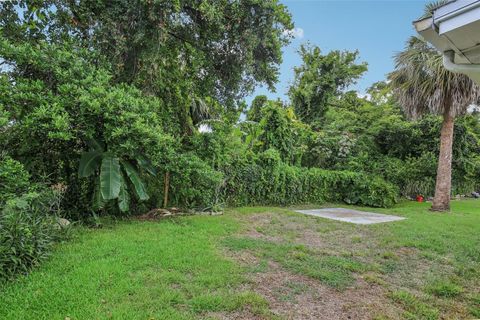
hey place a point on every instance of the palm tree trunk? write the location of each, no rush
(443, 187)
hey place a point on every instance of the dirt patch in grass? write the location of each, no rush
(255, 234)
(238, 315)
(294, 296)
(312, 268)
(298, 296)
(326, 237)
(257, 227)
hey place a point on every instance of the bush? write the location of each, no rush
(14, 179)
(194, 184)
(413, 176)
(268, 181)
(27, 232)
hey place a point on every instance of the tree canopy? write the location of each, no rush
(322, 78)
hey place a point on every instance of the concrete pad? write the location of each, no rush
(349, 215)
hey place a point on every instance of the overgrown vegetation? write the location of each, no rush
(270, 181)
(125, 119)
(28, 231)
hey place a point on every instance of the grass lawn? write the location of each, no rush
(262, 263)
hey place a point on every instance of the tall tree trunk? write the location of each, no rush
(443, 187)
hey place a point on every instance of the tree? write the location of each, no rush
(56, 102)
(182, 51)
(422, 85)
(320, 79)
(280, 130)
(255, 111)
(139, 75)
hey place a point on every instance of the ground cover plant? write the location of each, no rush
(261, 263)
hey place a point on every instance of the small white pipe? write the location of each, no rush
(467, 69)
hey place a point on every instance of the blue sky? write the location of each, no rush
(378, 29)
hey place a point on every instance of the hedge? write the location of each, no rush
(271, 182)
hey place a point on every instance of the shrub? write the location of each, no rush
(412, 176)
(368, 190)
(268, 181)
(27, 232)
(13, 179)
(194, 184)
(72, 103)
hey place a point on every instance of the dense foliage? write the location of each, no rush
(135, 105)
(270, 181)
(65, 94)
(58, 103)
(14, 179)
(320, 79)
(28, 230)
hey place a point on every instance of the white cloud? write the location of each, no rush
(365, 96)
(296, 33)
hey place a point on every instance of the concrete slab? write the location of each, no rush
(352, 216)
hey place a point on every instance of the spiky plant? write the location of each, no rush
(422, 85)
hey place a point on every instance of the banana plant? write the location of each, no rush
(114, 175)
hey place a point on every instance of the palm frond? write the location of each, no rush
(432, 6)
(200, 110)
(422, 84)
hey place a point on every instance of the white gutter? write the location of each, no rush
(471, 70)
(454, 30)
(458, 68)
(450, 15)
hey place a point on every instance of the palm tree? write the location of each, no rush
(422, 85)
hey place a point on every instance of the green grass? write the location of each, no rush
(166, 270)
(185, 268)
(444, 288)
(436, 254)
(331, 270)
(414, 308)
(475, 305)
